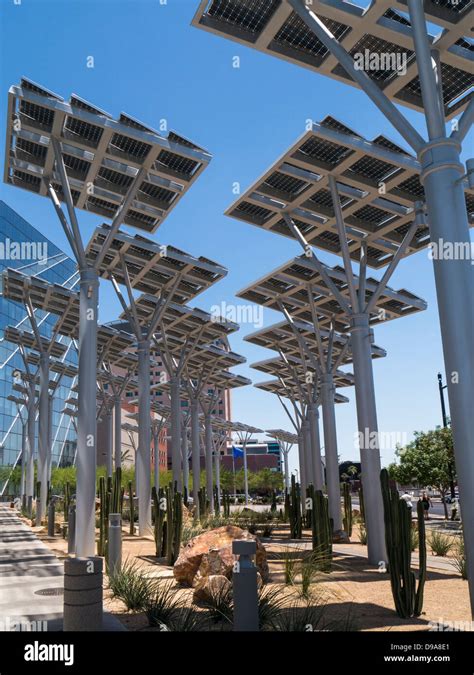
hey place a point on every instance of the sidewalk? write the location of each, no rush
(31, 580)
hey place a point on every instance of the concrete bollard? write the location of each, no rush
(51, 514)
(114, 557)
(71, 529)
(83, 606)
(244, 581)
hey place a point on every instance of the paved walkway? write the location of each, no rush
(29, 576)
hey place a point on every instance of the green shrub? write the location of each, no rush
(459, 557)
(440, 543)
(131, 586)
(161, 604)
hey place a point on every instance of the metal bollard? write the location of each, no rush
(114, 557)
(51, 514)
(71, 529)
(83, 606)
(244, 581)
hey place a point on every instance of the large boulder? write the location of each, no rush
(219, 543)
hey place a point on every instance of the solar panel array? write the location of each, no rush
(102, 156)
(384, 28)
(279, 368)
(294, 282)
(152, 266)
(280, 336)
(276, 387)
(378, 183)
(28, 340)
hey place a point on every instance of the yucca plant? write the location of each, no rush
(161, 604)
(130, 585)
(414, 538)
(459, 557)
(187, 619)
(440, 543)
(219, 604)
(270, 602)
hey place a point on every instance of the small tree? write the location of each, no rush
(427, 461)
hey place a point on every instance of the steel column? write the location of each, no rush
(175, 402)
(86, 456)
(109, 423)
(118, 431)
(143, 455)
(308, 453)
(361, 341)
(196, 452)
(246, 473)
(156, 458)
(43, 425)
(217, 461)
(184, 457)
(328, 391)
(208, 457)
(30, 462)
(287, 470)
(313, 424)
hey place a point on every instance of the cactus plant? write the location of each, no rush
(102, 517)
(361, 504)
(347, 519)
(159, 510)
(294, 509)
(273, 506)
(407, 596)
(67, 501)
(203, 503)
(226, 504)
(174, 524)
(131, 503)
(216, 501)
(321, 529)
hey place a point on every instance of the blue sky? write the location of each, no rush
(150, 63)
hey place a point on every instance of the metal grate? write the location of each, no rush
(325, 151)
(180, 165)
(250, 15)
(128, 146)
(50, 591)
(295, 34)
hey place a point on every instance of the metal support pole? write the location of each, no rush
(208, 457)
(30, 462)
(308, 453)
(185, 458)
(328, 391)
(109, 423)
(24, 460)
(175, 401)
(313, 424)
(302, 461)
(143, 458)
(118, 431)
(50, 435)
(217, 460)
(246, 473)
(361, 341)
(287, 470)
(71, 529)
(43, 436)
(156, 458)
(196, 452)
(86, 457)
(454, 277)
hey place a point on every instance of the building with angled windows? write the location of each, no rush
(26, 249)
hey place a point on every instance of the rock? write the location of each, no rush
(340, 537)
(218, 561)
(191, 556)
(211, 586)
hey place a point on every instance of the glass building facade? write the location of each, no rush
(26, 249)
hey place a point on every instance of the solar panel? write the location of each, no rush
(101, 156)
(151, 265)
(382, 30)
(28, 340)
(277, 388)
(378, 184)
(298, 275)
(55, 366)
(282, 435)
(278, 368)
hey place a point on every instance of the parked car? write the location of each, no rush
(448, 499)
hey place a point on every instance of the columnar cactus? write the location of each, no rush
(296, 524)
(216, 501)
(321, 528)
(361, 503)
(398, 522)
(131, 507)
(159, 513)
(67, 500)
(101, 544)
(347, 519)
